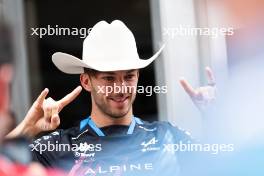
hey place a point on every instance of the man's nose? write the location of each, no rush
(121, 82)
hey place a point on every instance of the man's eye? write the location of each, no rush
(129, 77)
(108, 78)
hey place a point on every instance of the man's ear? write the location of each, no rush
(85, 81)
(138, 73)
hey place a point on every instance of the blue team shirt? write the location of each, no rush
(148, 150)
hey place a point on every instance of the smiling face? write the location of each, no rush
(109, 91)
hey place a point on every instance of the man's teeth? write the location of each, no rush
(119, 99)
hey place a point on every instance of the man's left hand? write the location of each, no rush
(203, 96)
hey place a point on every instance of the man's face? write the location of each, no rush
(113, 93)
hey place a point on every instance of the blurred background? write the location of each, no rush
(237, 61)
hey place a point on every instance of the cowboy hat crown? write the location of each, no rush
(108, 47)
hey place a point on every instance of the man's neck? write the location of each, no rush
(102, 120)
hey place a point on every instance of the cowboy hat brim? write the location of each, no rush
(72, 65)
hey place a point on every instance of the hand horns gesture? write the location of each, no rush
(202, 96)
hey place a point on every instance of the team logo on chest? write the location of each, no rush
(87, 151)
(150, 145)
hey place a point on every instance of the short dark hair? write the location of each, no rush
(91, 72)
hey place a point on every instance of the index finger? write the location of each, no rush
(210, 76)
(69, 97)
(187, 87)
(39, 101)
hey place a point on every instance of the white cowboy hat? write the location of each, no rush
(108, 47)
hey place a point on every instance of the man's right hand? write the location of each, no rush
(43, 114)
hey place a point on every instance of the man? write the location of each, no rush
(111, 141)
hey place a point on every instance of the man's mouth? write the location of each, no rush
(119, 99)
